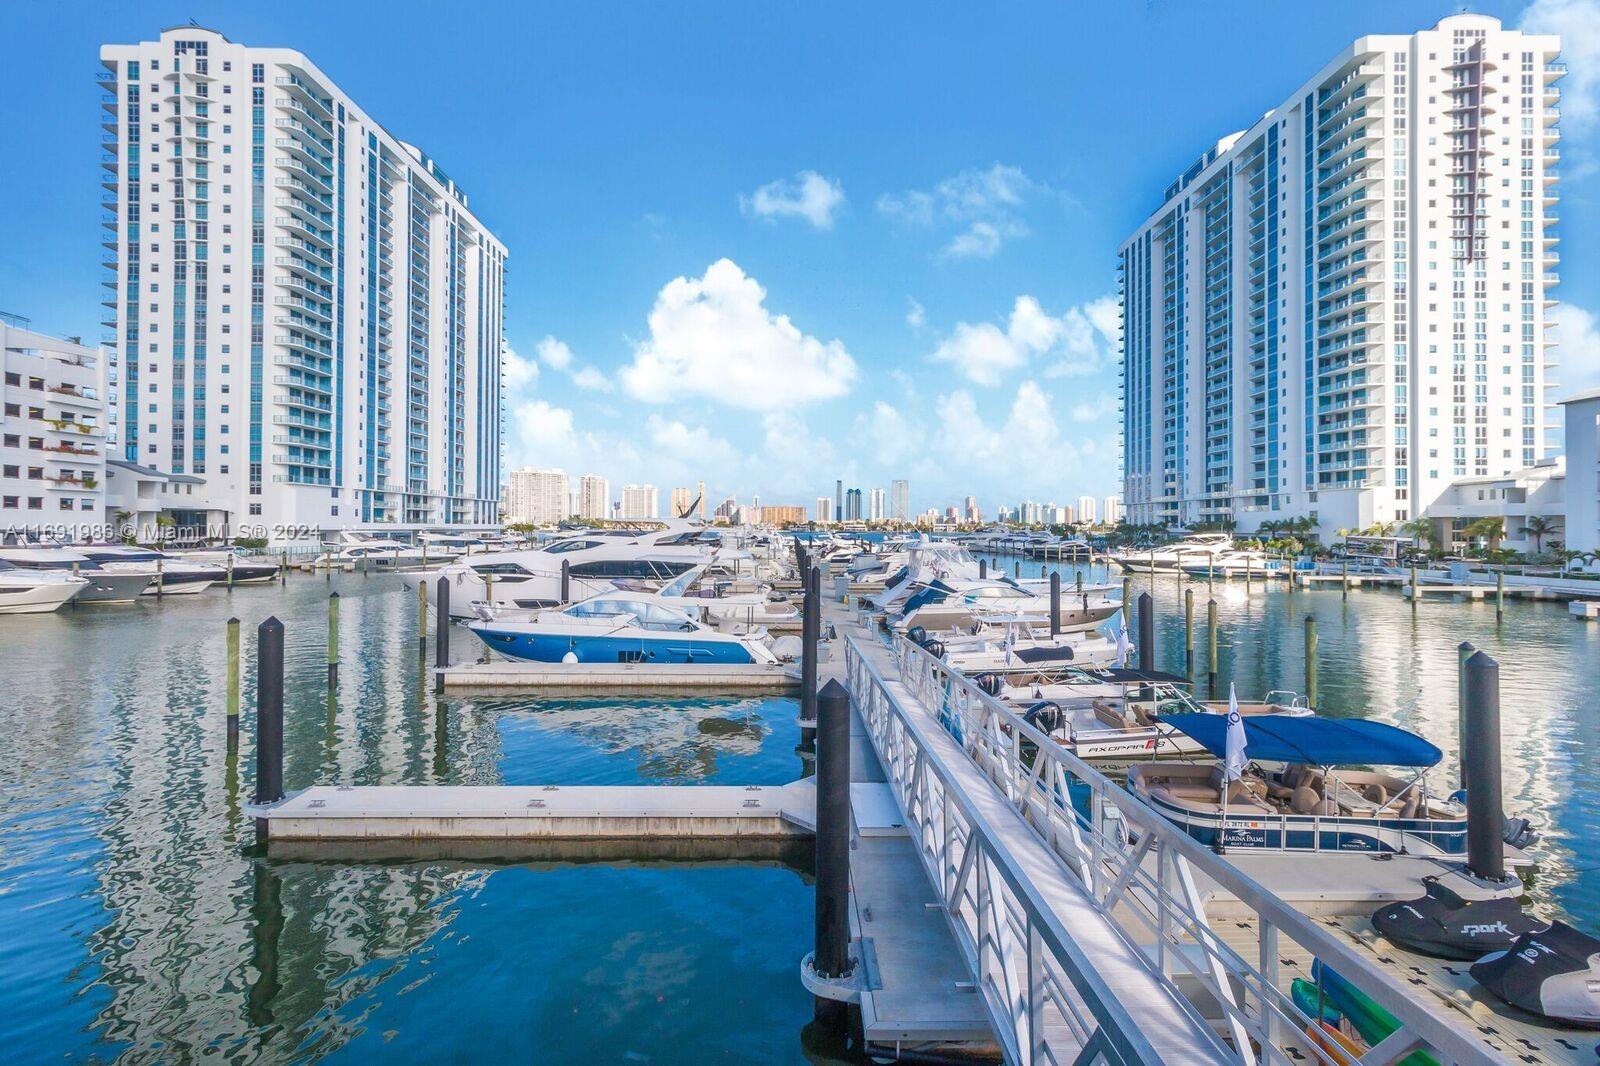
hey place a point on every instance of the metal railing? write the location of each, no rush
(1138, 871)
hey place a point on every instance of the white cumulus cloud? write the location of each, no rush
(554, 353)
(1577, 333)
(984, 208)
(517, 372)
(1577, 22)
(557, 355)
(807, 195)
(714, 337)
(983, 352)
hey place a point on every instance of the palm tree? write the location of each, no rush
(1488, 529)
(1419, 530)
(1538, 528)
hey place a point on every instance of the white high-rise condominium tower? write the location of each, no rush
(1111, 510)
(1086, 509)
(1341, 309)
(680, 500)
(538, 496)
(824, 509)
(640, 501)
(594, 497)
(900, 500)
(875, 506)
(307, 314)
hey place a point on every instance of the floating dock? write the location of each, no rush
(617, 677)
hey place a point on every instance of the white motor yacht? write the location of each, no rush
(165, 575)
(1194, 549)
(36, 591)
(101, 585)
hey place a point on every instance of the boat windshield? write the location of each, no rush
(646, 615)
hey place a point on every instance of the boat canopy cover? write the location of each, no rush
(1310, 739)
(1114, 676)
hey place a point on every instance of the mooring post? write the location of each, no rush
(1464, 652)
(1055, 605)
(983, 569)
(1247, 564)
(230, 569)
(1127, 596)
(1188, 634)
(333, 640)
(810, 633)
(161, 565)
(1016, 568)
(283, 568)
(441, 629)
(1486, 856)
(566, 581)
(1311, 661)
(1344, 580)
(1147, 631)
(269, 714)
(1211, 648)
(1413, 585)
(1499, 595)
(422, 615)
(233, 685)
(832, 958)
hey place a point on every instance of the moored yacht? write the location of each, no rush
(35, 591)
(165, 575)
(101, 585)
(1193, 549)
(619, 627)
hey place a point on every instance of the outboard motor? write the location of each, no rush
(934, 648)
(1449, 926)
(990, 683)
(1554, 974)
(1520, 833)
(917, 635)
(1045, 716)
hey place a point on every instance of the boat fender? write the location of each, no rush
(1554, 974)
(1447, 926)
(570, 657)
(1044, 716)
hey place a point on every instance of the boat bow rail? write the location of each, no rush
(1046, 959)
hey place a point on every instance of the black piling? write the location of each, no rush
(441, 628)
(1147, 631)
(983, 568)
(1486, 856)
(566, 581)
(810, 634)
(1464, 652)
(269, 714)
(832, 958)
(1055, 604)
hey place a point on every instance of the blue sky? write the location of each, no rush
(769, 247)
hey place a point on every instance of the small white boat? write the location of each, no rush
(1014, 643)
(36, 591)
(955, 603)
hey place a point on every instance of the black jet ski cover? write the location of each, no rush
(1447, 926)
(1554, 974)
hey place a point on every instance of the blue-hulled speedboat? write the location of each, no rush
(620, 627)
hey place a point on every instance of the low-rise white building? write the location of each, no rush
(52, 434)
(1517, 499)
(1583, 472)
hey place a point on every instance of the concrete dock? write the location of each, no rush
(614, 677)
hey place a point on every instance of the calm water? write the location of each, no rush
(1379, 658)
(138, 922)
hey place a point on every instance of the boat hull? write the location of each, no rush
(1297, 833)
(37, 599)
(555, 647)
(107, 587)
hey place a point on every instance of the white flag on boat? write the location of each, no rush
(1122, 644)
(1235, 760)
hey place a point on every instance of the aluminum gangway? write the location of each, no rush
(1085, 933)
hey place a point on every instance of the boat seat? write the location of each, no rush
(1376, 794)
(1307, 800)
(1111, 716)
